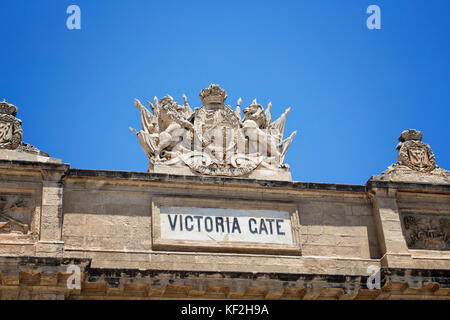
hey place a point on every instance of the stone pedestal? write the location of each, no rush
(257, 174)
(14, 155)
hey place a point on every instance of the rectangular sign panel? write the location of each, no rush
(207, 224)
(217, 224)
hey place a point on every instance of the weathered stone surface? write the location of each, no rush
(10, 127)
(394, 283)
(427, 231)
(416, 162)
(15, 214)
(213, 140)
(108, 223)
(11, 137)
(26, 156)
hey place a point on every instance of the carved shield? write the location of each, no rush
(6, 131)
(10, 132)
(218, 131)
(417, 156)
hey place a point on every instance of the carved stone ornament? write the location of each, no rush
(427, 232)
(10, 127)
(213, 139)
(11, 131)
(413, 153)
(415, 162)
(14, 214)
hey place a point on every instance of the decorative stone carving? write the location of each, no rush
(10, 127)
(213, 139)
(11, 131)
(15, 216)
(413, 153)
(416, 162)
(427, 232)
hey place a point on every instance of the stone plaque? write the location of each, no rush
(424, 231)
(224, 225)
(15, 214)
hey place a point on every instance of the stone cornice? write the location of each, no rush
(213, 180)
(411, 186)
(45, 273)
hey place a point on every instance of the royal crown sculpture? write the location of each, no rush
(214, 140)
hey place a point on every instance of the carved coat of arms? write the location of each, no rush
(11, 131)
(213, 139)
(10, 127)
(414, 153)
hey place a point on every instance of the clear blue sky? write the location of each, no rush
(352, 90)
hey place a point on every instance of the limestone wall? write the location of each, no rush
(107, 216)
(109, 219)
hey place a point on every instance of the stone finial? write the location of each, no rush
(11, 134)
(413, 153)
(10, 127)
(415, 162)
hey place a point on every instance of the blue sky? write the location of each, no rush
(352, 90)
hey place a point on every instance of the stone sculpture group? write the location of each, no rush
(213, 139)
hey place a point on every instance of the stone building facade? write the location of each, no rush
(218, 229)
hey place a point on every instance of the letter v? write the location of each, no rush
(173, 223)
